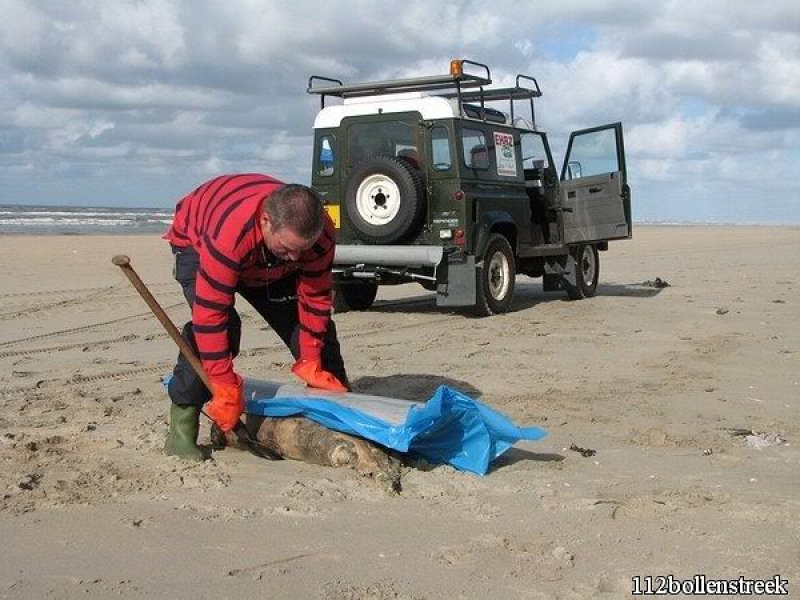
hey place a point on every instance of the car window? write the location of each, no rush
(534, 155)
(593, 153)
(326, 157)
(387, 138)
(476, 154)
(440, 149)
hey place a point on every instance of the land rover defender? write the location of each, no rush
(428, 181)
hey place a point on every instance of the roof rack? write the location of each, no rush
(456, 79)
(509, 93)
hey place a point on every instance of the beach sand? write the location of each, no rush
(655, 380)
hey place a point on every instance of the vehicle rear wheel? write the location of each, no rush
(495, 283)
(385, 200)
(355, 295)
(587, 272)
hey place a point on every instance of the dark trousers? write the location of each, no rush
(276, 303)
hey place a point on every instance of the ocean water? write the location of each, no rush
(82, 220)
(86, 220)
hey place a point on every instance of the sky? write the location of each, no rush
(136, 102)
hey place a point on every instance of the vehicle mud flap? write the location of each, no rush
(559, 273)
(456, 285)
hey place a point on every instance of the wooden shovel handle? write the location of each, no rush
(124, 263)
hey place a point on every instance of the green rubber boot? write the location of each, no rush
(184, 425)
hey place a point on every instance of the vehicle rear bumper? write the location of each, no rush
(389, 256)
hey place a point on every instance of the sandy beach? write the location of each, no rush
(662, 383)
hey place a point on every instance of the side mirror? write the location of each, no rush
(574, 170)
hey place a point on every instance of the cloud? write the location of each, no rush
(139, 100)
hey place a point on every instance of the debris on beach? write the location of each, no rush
(764, 440)
(759, 440)
(30, 481)
(738, 431)
(657, 283)
(722, 310)
(585, 452)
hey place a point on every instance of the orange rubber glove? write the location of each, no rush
(227, 404)
(312, 373)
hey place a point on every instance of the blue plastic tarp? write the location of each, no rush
(449, 428)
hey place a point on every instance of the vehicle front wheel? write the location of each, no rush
(587, 271)
(495, 278)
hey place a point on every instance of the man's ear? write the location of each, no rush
(263, 220)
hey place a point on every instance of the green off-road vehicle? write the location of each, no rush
(427, 181)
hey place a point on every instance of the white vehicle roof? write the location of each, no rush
(430, 107)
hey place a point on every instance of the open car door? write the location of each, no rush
(595, 197)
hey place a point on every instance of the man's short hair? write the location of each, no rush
(298, 208)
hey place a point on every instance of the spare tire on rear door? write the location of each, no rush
(385, 200)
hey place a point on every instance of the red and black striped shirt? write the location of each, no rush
(220, 221)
